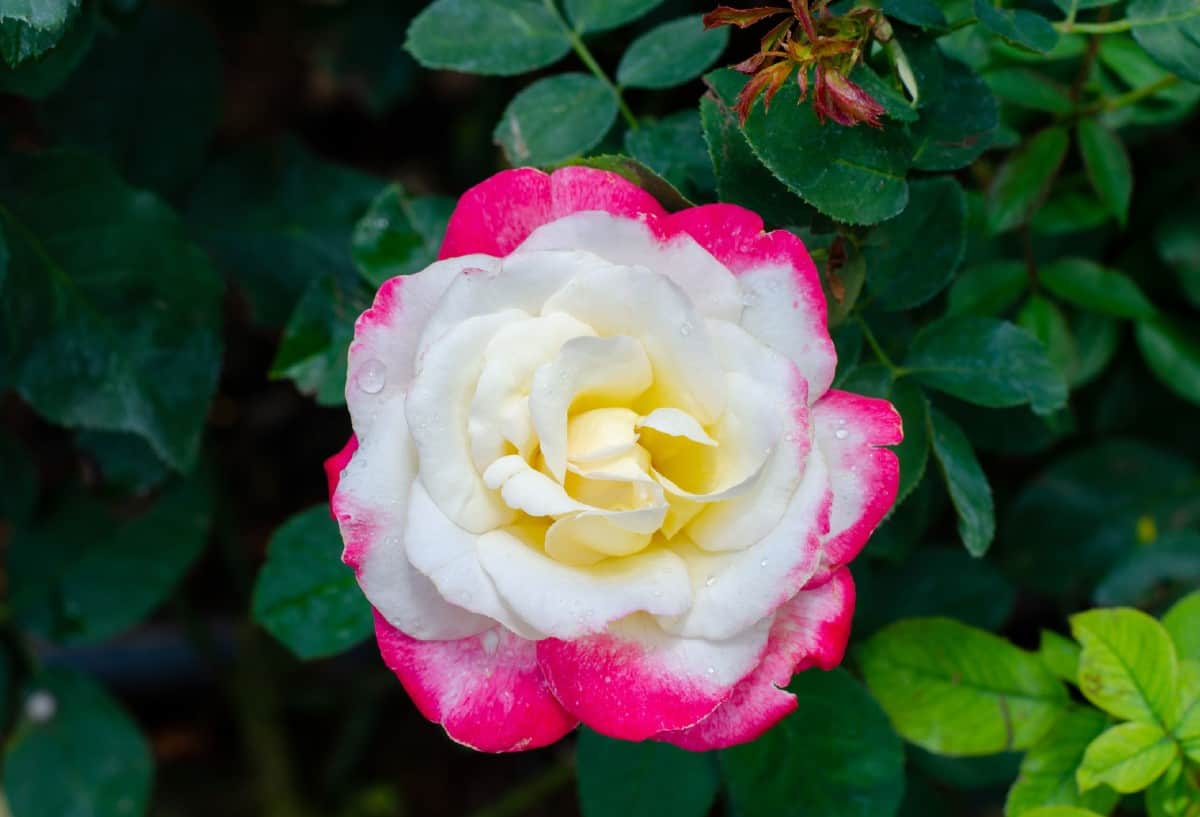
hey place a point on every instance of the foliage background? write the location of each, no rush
(197, 198)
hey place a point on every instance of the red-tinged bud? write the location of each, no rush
(767, 82)
(728, 16)
(800, 9)
(751, 64)
(842, 101)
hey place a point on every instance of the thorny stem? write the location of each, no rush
(518, 801)
(585, 56)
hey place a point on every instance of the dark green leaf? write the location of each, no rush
(959, 691)
(674, 148)
(1068, 212)
(1022, 28)
(1107, 166)
(633, 170)
(968, 485)
(1177, 239)
(854, 175)
(1029, 89)
(986, 362)
(38, 78)
(913, 452)
(503, 37)
(1173, 558)
(124, 460)
(671, 54)
(1169, 30)
(988, 289)
(601, 15)
(304, 595)
(112, 316)
(312, 351)
(1047, 775)
(622, 779)
(1172, 352)
(1047, 323)
(958, 121)
(76, 752)
(1090, 286)
(83, 576)
(149, 99)
(835, 756)
(29, 28)
(1025, 179)
(399, 234)
(1096, 340)
(894, 103)
(556, 118)
(904, 268)
(920, 13)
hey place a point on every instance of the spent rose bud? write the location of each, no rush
(598, 474)
(841, 100)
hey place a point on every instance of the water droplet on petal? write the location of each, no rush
(371, 376)
(841, 433)
(490, 641)
(712, 670)
(685, 328)
(710, 581)
(41, 706)
(763, 563)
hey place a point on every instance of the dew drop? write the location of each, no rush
(685, 329)
(763, 563)
(490, 641)
(712, 670)
(371, 376)
(841, 433)
(40, 706)
(710, 581)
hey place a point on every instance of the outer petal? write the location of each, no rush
(486, 691)
(849, 429)
(784, 304)
(335, 464)
(499, 213)
(810, 630)
(636, 681)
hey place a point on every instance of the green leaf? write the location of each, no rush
(987, 362)
(112, 316)
(854, 175)
(1068, 212)
(1025, 179)
(304, 595)
(29, 28)
(1096, 340)
(1061, 811)
(39, 77)
(622, 779)
(895, 104)
(1128, 667)
(1169, 30)
(674, 148)
(124, 460)
(1187, 730)
(556, 118)
(910, 401)
(501, 37)
(1060, 655)
(1172, 351)
(988, 289)
(1088, 285)
(83, 576)
(1025, 29)
(1171, 795)
(920, 13)
(672, 53)
(399, 234)
(312, 351)
(1143, 575)
(1177, 239)
(1107, 166)
(1047, 776)
(958, 121)
(968, 485)
(76, 752)
(956, 690)
(1182, 622)
(1046, 322)
(277, 219)
(633, 170)
(150, 99)
(835, 756)
(905, 269)
(1029, 89)
(602, 15)
(741, 178)
(1128, 758)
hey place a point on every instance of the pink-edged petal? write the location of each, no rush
(486, 691)
(496, 215)
(635, 680)
(383, 354)
(811, 630)
(335, 464)
(782, 296)
(850, 430)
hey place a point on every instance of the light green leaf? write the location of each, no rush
(399, 235)
(904, 269)
(1128, 758)
(75, 752)
(1128, 666)
(987, 289)
(556, 118)
(1025, 179)
(1021, 28)
(1169, 30)
(1060, 655)
(1061, 811)
(987, 362)
(29, 28)
(1088, 285)
(1187, 730)
(968, 485)
(1172, 794)
(622, 779)
(112, 315)
(672, 53)
(1182, 621)
(1107, 165)
(502, 37)
(1172, 351)
(304, 595)
(956, 690)
(1047, 776)
(958, 121)
(861, 768)
(1046, 322)
(601, 15)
